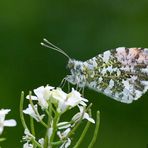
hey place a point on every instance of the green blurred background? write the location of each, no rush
(83, 28)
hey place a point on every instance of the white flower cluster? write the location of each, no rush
(28, 137)
(3, 122)
(53, 99)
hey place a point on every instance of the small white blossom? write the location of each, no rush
(66, 143)
(64, 134)
(34, 114)
(27, 138)
(27, 145)
(42, 95)
(3, 122)
(85, 115)
(41, 141)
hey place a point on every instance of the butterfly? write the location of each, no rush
(121, 73)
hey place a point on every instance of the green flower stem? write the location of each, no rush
(56, 143)
(2, 139)
(79, 122)
(43, 123)
(21, 111)
(68, 86)
(46, 140)
(96, 130)
(32, 126)
(55, 122)
(83, 133)
(32, 105)
(32, 129)
(53, 110)
(49, 113)
(77, 125)
(36, 143)
(89, 106)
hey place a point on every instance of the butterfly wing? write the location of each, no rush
(121, 73)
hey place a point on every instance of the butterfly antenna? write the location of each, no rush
(48, 44)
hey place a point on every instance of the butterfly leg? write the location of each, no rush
(77, 87)
(68, 86)
(63, 82)
(81, 90)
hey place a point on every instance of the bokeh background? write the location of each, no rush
(83, 28)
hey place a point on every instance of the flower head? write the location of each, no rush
(67, 101)
(28, 136)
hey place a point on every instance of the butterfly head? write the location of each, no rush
(77, 75)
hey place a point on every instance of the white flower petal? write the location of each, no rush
(67, 144)
(4, 111)
(59, 95)
(1, 129)
(62, 106)
(10, 122)
(86, 116)
(32, 97)
(83, 103)
(43, 94)
(4, 122)
(41, 141)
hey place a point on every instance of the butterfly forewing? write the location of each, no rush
(121, 73)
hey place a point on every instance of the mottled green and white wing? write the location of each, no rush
(121, 73)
